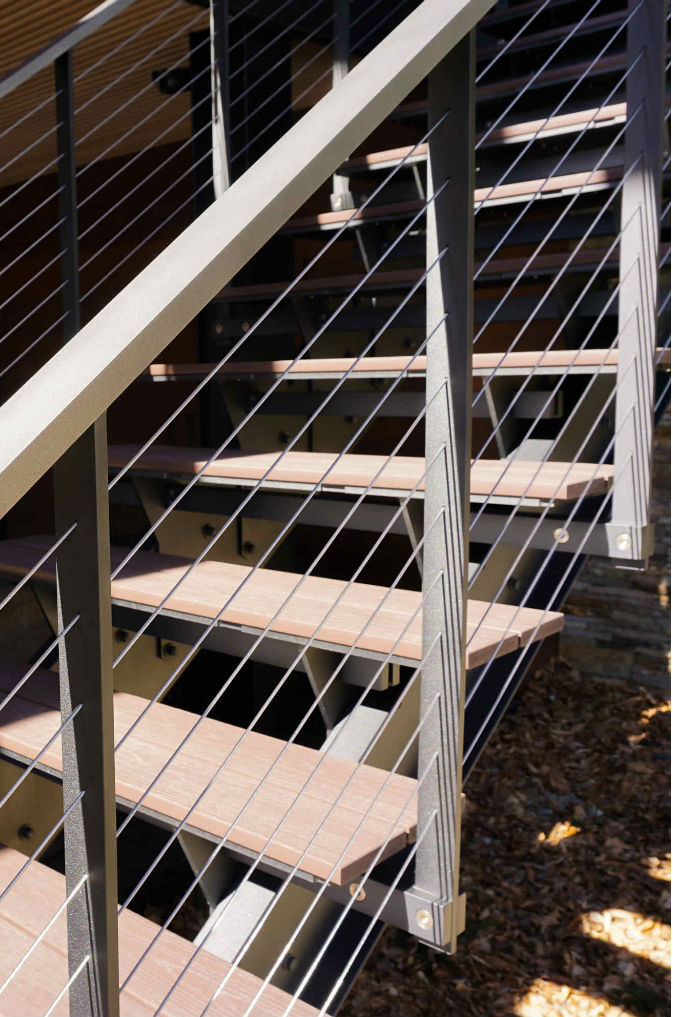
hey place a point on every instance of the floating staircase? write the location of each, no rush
(406, 273)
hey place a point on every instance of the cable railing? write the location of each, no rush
(333, 557)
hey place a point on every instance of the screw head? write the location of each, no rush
(26, 832)
(170, 649)
(207, 530)
(219, 328)
(561, 535)
(623, 541)
(356, 891)
(248, 547)
(121, 636)
(424, 918)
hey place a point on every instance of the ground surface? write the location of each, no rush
(565, 864)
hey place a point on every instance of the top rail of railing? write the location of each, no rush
(61, 44)
(78, 384)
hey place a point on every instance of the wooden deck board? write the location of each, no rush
(521, 189)
(381, 367)
(368, 619)
(325, 814)
(515, 479)
(31, 903)
(541, 127)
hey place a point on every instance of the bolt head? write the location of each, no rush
(357, 891)
(424, 918)
(561, 536)
(26, 832)
(219, 328)
(623, 541)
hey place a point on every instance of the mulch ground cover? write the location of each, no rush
(566, 865)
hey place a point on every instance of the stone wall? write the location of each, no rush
(618, 622)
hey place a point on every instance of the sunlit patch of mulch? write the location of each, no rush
(566, 866)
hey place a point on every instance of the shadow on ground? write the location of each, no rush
(565, 865)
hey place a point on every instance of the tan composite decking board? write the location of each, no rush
(549, 480)
(543, 126)
(544, 185)
(29, 906)
(323, 813)
(367, 618)
(381, 366)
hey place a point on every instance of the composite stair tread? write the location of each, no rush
(379, 367)
(29, 906)
(491, 477)
(404, 277)
(370, 620)
(328, 815)
(563, 183)
(542, 126)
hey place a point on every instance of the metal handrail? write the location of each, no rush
(95, 367)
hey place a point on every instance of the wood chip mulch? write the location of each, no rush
(566, 866)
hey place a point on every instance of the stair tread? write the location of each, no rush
(519, 189)
(31, 903)
(544, 126)
(393, 627)
(490, 477)
(363, 807)
(380, 367)
(551, 75)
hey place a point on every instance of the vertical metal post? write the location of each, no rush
(219, 66)
(341, 196)
(85, 653)
(449, 303)
(639, 277)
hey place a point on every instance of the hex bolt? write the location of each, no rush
(170, 649)
(207, 529)
(623, 541)
(561, 535)
(424, 919)
(248, 547)
(288, 962)
(357, 892)
(121, 636)
(513, 583)
(219, 328)
(26, 832)
(283, 438)
(245, 327)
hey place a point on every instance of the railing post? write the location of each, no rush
(341, 196)
(629, 532)
(85, 652)
(450, 234)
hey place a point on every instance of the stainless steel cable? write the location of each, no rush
(297, 867)
(197, 643)
(531, 81)
(38, 565)
(605, 254)
(259, 787)
(39, 939)
(307, 573)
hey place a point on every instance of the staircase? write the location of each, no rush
(343, 354)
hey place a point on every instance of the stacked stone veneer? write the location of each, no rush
(618, 622)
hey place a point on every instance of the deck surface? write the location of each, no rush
(260, 793)
(381, 367)
(367, 619)
(396, 474)
(29, 906)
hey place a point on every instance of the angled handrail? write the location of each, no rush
(63, 398)
(61, 44)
